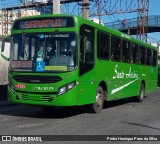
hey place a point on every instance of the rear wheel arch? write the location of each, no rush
(141, 94)
(143, 82)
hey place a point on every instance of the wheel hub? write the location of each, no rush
(99, 100)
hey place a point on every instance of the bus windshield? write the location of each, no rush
(44, 52)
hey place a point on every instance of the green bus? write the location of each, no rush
(62, 60)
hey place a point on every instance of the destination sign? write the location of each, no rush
(44, 23)
(21, 64)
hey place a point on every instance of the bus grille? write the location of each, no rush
(35, 98)
(24, 97)
(36, 79)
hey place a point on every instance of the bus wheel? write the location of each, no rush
(98, 105)
(141, 95)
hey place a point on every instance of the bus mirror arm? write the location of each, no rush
(5, 57)
(2, 49)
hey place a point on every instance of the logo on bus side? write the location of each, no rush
(130, 74)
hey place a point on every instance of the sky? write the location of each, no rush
(154, 9)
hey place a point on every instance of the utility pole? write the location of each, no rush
(142, 20)
(99, 9)
(56, 6)
(85, 9)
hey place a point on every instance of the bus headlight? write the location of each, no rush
(11, 87)
(62, 90)
(66, 88)
(71, 85)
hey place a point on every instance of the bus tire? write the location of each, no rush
(141, 95)
(98, 105)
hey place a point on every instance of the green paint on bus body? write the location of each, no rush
(65, 84)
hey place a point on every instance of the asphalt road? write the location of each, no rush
(122, 117)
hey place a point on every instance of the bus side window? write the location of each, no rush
(103, 45)
(86, 49)
(148, 57)
(115, 49)
(89, 51)
(154, 60)
(143, 55)
(135, 54)
(126, 56)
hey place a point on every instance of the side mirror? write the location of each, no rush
(5, 50)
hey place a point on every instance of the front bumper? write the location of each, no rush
(67, 99)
